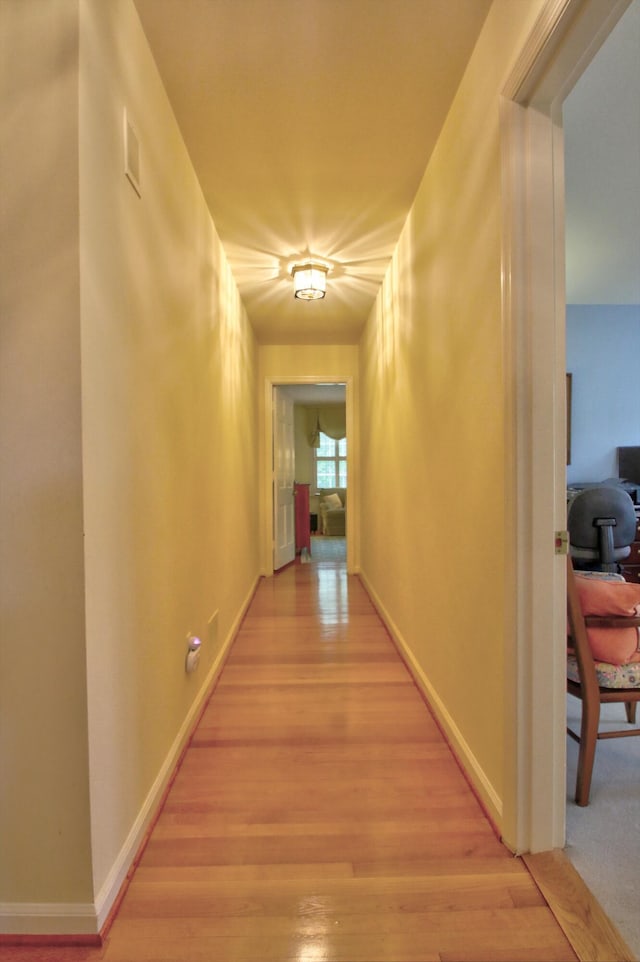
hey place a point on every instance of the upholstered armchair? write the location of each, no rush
(332, 511)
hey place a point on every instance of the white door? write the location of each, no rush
(284, 539)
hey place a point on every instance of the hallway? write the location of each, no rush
(318, 815)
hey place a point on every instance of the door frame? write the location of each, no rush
(564, 39)
(283, 526)
(266, 498)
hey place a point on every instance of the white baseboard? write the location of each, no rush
(476, 774)
(116, 877)
(87, 918)
(47, 918)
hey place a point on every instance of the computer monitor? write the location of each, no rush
(629, 463)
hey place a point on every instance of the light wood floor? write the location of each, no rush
(319, 815)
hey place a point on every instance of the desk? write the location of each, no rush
(631, 565)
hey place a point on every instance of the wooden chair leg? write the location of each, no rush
(588, 741)
(630, 708)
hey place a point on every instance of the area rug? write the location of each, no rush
(603, 839)
(328, 548)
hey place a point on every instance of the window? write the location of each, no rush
(331, 463)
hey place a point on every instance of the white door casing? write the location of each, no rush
(284, 538)
(267, 492)
(565, 38)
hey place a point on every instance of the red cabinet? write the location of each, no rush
(303, 530)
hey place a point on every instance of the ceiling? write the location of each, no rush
(310, 124)
(601, 119)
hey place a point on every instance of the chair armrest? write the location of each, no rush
(612, 621)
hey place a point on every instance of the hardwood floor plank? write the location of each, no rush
(252, 898)
(367, 938)
(318, 815)
(562, 953)
(432, 929)
(308, 848)
(50, 953)
(592, 934)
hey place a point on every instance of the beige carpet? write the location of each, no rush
(603, 839)
(324, 548)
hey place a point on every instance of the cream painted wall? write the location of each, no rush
(432, 428)
(169, 373)
(308, 361)
(129, 438)
(304, 453)
(44, 801)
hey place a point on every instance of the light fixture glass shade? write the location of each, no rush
(309, 281)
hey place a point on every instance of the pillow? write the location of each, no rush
(617, 646)
(599, 597)
(332, 500)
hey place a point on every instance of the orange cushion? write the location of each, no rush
(599, 597)
(618, 646)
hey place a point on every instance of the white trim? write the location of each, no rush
(534, 299)
(566, 36)
(517, 519)
(460, 747)
(270, 382)
(564, 40)
(48, 918)
(110, 889)
(535, 57)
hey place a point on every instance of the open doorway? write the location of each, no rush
(319, 459)
(565, 42)
(601, 125)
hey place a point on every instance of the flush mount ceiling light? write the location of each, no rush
(309, 280)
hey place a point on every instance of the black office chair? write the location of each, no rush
(602, 526)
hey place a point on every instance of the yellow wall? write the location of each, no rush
(304, 452)
(44, 811)
(313, 362)
(169, 426)
(432, 425)
(129, 468)
(130, 419)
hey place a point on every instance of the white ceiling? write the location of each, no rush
(311, 122)
(316, 393)
(601, 119)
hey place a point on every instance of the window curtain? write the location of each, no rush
(329, 419)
